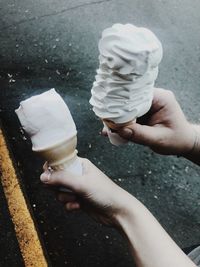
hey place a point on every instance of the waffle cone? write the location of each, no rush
(116, 126)
(63, 156)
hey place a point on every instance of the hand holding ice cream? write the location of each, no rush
(123, 90)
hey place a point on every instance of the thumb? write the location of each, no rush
(62, 178)
(140, 134)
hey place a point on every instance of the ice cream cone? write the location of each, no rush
(112, 128)
(123, 89)
(48, 121)
(62, 156)
(117, 126)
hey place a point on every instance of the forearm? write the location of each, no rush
(194, 154)
(150, 245)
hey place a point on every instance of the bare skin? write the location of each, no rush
(166, 131)
(109, 204)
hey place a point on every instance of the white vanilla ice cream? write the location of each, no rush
(48, 121)
(129, 58)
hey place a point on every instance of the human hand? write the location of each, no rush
(93, 191)
(165, 129)
(111, 205)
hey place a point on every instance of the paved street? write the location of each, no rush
(53, 44)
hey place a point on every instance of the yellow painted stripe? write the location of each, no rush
(26, 233)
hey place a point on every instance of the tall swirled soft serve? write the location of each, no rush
(129, 58)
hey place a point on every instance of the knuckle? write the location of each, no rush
(170, 94)
(165, 92)
(162, 143)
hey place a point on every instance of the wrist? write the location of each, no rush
(128, 213)
(193, 140)
(194, 154)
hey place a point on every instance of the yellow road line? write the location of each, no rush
(26, 233)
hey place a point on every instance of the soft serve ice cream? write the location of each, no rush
(48, 121)
(124, 86)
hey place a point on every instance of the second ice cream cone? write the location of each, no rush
(112, 128)
(116, 126)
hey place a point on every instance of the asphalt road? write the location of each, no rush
(46, 44)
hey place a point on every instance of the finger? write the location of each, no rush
(66, 197)
(70, 206)
(104, 132)
(161, 98)
(45, 166)
(141, 134)
(63, 178)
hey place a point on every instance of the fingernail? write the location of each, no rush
(45, 177)
(126, 132)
